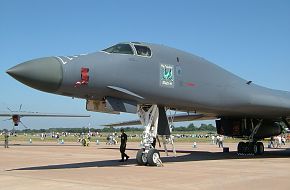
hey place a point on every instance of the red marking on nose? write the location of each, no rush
(190, 84)
(84, 77)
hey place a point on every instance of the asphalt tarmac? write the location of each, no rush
(52, 166)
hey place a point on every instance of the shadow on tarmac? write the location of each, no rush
(189, 157)
(42, 145)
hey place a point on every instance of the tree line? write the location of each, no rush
(192, 127)
(189, 128)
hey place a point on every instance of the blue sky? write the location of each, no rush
(249, 38)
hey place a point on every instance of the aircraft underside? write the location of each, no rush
(157, 124)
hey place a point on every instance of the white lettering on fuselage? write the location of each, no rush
(59, 58)
(68, 58)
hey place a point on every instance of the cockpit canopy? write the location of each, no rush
(130, 48)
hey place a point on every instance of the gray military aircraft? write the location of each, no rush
(149, 79)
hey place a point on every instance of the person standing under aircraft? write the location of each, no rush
(278, 141)
(6, 136)
(212, 139)
(217, 142)
(123, 146)
(221, 141)
(271, 143)
(283, 139)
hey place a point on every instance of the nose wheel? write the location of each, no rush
(151, 158)
(141, 157)
(256, 148)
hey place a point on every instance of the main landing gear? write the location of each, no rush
(256, 148)
(252, 147)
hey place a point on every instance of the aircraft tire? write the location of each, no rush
(141, 158)
(260, 146)
(244, 147)
(251, 148)
(153, 156)
(255, 148)
(248, 148)
(241, 147)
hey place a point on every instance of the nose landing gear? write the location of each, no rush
(148, 155)
(151, 158)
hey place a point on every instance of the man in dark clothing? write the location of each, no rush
(6, 136)
(123, 146)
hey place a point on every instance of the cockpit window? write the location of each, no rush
(143, 50)
(120, 48)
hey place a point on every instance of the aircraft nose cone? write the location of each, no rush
(44, 74)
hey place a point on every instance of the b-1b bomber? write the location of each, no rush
(149, 79)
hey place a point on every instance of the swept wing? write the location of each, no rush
(177, 118)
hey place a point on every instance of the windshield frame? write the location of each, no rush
(136, 52)
(133, 48)
(120, 53)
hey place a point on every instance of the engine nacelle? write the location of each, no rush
(243, 128)
(268, 129)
